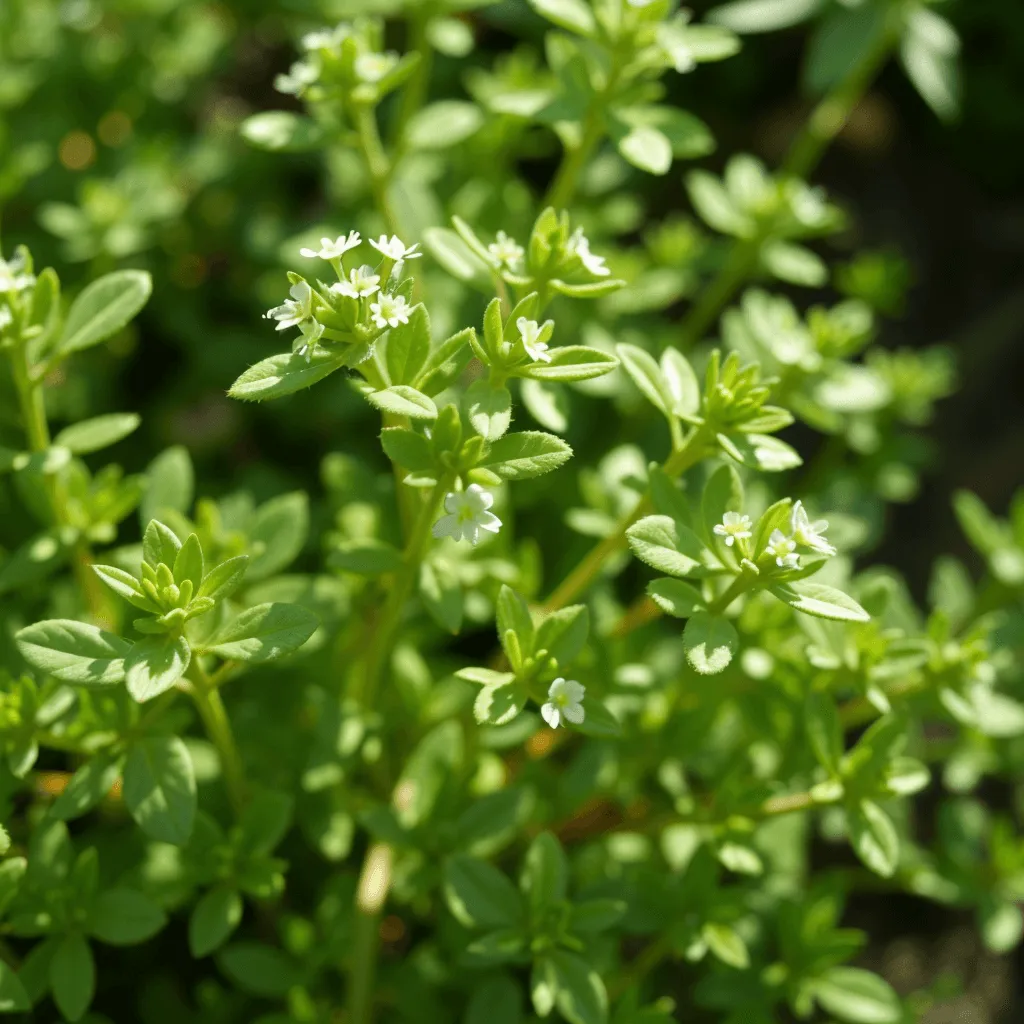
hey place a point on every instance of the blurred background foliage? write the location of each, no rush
(120, 146)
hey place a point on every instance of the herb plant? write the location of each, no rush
(544, 703)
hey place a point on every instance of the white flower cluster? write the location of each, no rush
(737, 529)
(389, 310)
(802, 533)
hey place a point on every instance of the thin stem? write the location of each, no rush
(371, 894)
(833, 111)
(826, 121)
(566, 180)
(416, 89)
(378, 166)
(401, 587)
(590, 567)
(211, 709)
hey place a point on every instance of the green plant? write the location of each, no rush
(288, 725)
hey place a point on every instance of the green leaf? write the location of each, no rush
(820, 600)
(408, 346)
(13, 997)
(563, 633)
(580, 993)
(281, 131)
(88, 786)
(841, 41)
(170, 484)
(74, 652)
(284, 374)
(929, 53)
(155, 664)
(858, 996)
(573, 15)
(263, 633)
(479, 895)
(674, 597)
(513, 616)
(874, 837)
(368, 557)
(751, 16)
(213, 920)
(278, 532)
(646, 148)
(647, 375)
(547, 404)
(125, 917)
(715, 206)
(103, 308)
(794, 264)
(571, 363)
(497, 999)
(224, 579)
(408, 449)
(432, 761)
(666, 545)
(34, 560)
(443, 124)
(73, 976)
(402, 400)
(599, 721)
(100, 432)
(545, 876)
(160, 788)
(125, 585)
(188, 563)
(259, 970)
(1002, 925)
(722, 493)
(489, 409)
(442, 594)
(821, 718)
(593, 916)
(160, 544)
(726, 944)
(710, 642)
(526, 454)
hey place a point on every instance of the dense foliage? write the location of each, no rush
(573, 690)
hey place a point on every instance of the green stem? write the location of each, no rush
(401, 587)
(594, 561)
(825, 122)
(378, 166)
(211, 709)
(833, 111)
(416, 89)
(739, 264)
(566, 179)
(371, 894)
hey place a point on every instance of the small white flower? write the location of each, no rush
(301, 74)
(733, 527)
(565, 700)
(393, 248)
(12, 275)
(468, 514)
(530, 331)
(361, 284)
(372, 67)
(390, 311)
(507, 251)
(294, 310)
(783, 550)
(325, 38)
(305, 344)
(333, 250)
(580, 246)
(807, 533)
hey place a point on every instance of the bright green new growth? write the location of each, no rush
(633, 773)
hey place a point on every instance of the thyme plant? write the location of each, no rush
(543, 703)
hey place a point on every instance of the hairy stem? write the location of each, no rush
(378, 166)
